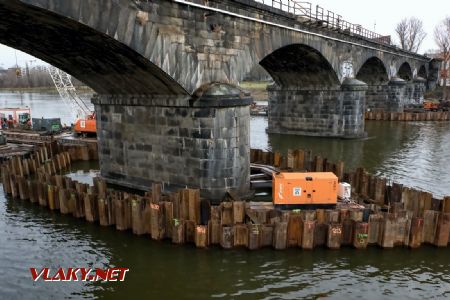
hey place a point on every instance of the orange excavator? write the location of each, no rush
(85, 119)
(430, 105)
(86, 125)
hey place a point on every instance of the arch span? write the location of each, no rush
(422, 72)
(299, 65)
(405, 72)
(100, 61)
(373, 72)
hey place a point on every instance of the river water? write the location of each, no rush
(416, 154)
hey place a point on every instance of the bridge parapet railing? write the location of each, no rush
(307, 13)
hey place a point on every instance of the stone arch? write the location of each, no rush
(405, 72)
(373, 72)
(299, 65)
(97, 59)
(422, 72)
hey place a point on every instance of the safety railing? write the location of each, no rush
(324, 18)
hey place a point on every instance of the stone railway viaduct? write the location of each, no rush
(166, 73)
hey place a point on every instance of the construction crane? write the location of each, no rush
(85, 119)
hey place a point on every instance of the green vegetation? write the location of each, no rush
(258, 89)
(254, 85)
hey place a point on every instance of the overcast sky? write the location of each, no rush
(384, 13)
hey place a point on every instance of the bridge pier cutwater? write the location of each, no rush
(179, 141)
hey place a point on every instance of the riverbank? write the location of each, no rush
(258, 89)
(46, 90)
(408, 116)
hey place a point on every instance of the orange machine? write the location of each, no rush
(305, 189)
(430, 105)
(86, 126)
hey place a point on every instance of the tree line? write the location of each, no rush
(28, 77)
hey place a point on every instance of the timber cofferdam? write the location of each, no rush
(391, 215)
(167, 76)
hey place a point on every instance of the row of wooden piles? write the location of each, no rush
(184, 218)
(396, 213)
(366, 188)
(408, 116)
(81, 151)
(300, 160)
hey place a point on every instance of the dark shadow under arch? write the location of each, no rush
(100, 61)
(405, 72)
(373, 72)
(299, 65)
(422, 72)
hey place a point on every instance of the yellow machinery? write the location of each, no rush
(315, 189)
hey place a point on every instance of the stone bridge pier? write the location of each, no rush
(336, 111)
(307, 97)
(180, 141)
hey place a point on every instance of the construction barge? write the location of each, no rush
(381, 214)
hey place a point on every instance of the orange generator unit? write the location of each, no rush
(304, 190)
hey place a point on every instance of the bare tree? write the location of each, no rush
(442, 39)
(410, 34)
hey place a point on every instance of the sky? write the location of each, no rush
(381, 14)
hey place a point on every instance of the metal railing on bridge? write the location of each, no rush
(317, 15)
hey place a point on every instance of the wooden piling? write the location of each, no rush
(177, 231)
(280, 235)
(194, 205)
(227, 213)
(137, 215)
(334, 235)
(23, 188)
(168, 218)
(227, 238)
(238, 212)
(416, 233)
(189, 231)
(294, 230)
(90, 207)
(442, 230)
(157, 230)
(375, 227)
(51, 197)
(308, 234)
(201, 236)
(240, 235)
(254, 236)
(32, 188)
(42, 194)
(320, 234)
(403, 226)
(347, 232)
(214, 229)
(430, 222)
(387, 234)
(266, 235)
(360, 234)
(205, 211)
